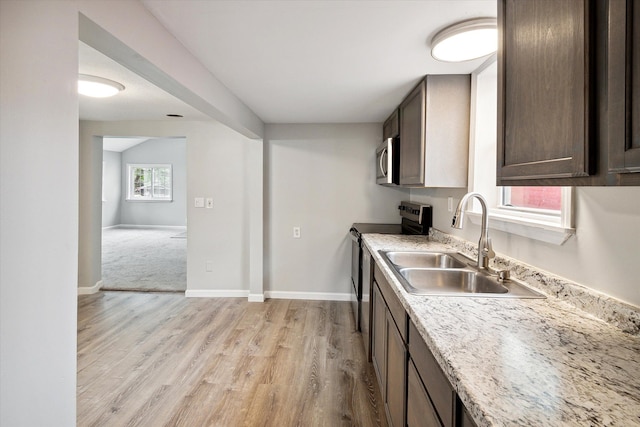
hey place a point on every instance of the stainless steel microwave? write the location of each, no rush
(388, 162)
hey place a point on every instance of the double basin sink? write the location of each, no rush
(451, 274)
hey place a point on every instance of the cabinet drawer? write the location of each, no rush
(440, 391)
(420, 411)
(395, 307)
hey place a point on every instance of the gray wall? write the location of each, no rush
(38, 212)
(111, 187)
(161, 150)
(90, 207)
(322, 179)
(216, 159)
(39, 128)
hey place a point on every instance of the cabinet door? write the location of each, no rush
(440, 391)
(545, 83)
(391, 126)
(412, 137)
(634, 91)
(623, 83)
(396, 375)
(378, 337)
(365, 313)
(420, 411)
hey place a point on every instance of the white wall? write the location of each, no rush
(38, 212)
(602, 254)
(39, 128)
(157, 150)
(90, 209)
(216, 168)
(111, 187)
(128, 33)
(322, 179)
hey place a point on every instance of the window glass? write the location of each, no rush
(545, 198)
(149, 182)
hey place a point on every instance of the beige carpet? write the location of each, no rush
(144, 259)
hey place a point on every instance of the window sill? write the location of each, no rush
(532, 229)
(150, 200)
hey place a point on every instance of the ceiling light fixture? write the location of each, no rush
(466, 40)
(97, 87)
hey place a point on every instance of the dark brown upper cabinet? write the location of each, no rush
(568, 92)
(391, 126)
(434, 132)
(623, 81)
(544, 90)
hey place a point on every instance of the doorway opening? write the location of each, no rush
(144, 225)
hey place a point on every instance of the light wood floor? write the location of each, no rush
(153, 359)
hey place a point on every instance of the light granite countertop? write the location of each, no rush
(524, 362)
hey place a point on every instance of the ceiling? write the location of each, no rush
(121, 144)
(140, 100)
(294, 61)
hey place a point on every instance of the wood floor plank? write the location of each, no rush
(149, 359)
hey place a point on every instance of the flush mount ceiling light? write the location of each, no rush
(97, 87)
(466, 40)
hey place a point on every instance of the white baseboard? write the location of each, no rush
(215, 293)
(256, 297)
(176, 227)
(318, 296)
(88, 290)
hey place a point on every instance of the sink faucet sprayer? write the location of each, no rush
(485, 251)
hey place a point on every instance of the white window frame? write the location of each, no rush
(130, 182)
(538, 224)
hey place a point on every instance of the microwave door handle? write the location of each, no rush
(383, 161)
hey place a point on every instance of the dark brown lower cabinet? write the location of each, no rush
(415, 390)
(389, 356)
(465, 419)
(378, 337)
(420, 411)
(396, 374)
(436, 384)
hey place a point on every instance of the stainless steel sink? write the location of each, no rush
(450, 274)
(443, 281)
(426, 259)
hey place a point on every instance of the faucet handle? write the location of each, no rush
(488, 249)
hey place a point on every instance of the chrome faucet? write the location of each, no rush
(485, 251)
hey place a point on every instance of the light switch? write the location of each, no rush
(209, 203)
(199, 202)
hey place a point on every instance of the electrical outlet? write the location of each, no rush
(450, 204)
(209, 203)
(296, 232)
(199, 202)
